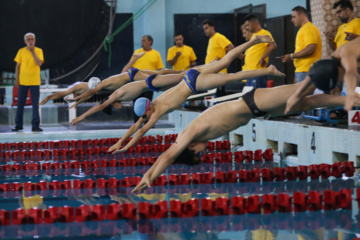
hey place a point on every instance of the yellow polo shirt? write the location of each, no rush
(254, 53)
(307, 34)
(150, 61)
(184, 60)
(29, 71)
(217, 48)
(352, 27)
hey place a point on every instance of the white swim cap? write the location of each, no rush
(93, 82)
(69, 96)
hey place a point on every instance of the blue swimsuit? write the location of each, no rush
(190, 79)
(132, 72)
(149, 83)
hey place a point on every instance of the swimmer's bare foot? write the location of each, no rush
(274, 72)
(263, 39)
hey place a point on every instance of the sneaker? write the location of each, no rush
(36, 129)
(16, 129)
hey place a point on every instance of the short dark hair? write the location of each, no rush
(108, 109)
(188, 157)
(344, 4)
(251, 18)
(178, 34)
(149, 38)
(209, 22)
(299, 10)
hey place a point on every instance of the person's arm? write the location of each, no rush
(330, 37)
(94, 109)
(174, 59)
(166, 159)
(130, 132)
(37, 60)
(134, 58)
(271, 48)
(141, 132)
(88, 94)
(17, 72)
(229, 47)
(349, 62)
(307, 51)
(57, 95)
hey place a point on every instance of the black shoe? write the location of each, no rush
(16, 129)
(36, 129)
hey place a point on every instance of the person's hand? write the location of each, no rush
(124, 149)
(114, 147)
(286, 58)
(45, 100)
(178, 54)
(329, 35)
(31, 47)
(144, 184)
(17, 85)
(76, 121)
(350, 36)
(263, 62)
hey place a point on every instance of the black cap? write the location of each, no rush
(324, 74)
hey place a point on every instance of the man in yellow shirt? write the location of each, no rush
(151, 60)
(218, 44)
(349, 30)
(257, 56)
(181, 56)
(27, 71)
(308, 44)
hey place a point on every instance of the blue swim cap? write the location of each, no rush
(141, 106)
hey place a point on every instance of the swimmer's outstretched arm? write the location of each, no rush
(141, 132)
(94, 109)
(168, 157)
(305, 88)
(58, 95)
(130, 132)
(88, 94)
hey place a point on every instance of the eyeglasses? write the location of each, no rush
(339, 11)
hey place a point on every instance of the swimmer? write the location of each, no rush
(131, 91)
(225, 117)
(72, 91)
(325, 74)
(116, 81)
(200, 79)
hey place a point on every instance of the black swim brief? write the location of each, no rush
(249, 100)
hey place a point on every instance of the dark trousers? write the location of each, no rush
(35, 93)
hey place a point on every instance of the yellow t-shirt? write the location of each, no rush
(217, 48)
(307, 34)
(183, 62)
(150, 61)
(352, 27)
(29, 71)
(254, 53)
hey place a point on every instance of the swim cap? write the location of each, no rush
(141, 106)
(69, 96)
(93, 82)
(324, 74)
